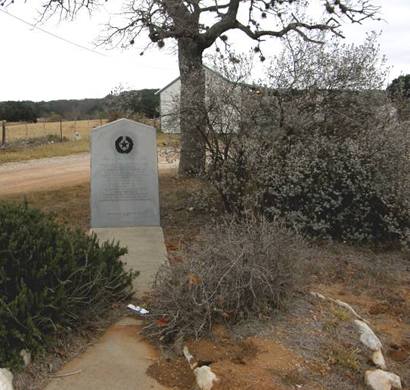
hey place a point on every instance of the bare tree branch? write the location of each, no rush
(163, 19)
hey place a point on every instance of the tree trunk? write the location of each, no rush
(192, 108)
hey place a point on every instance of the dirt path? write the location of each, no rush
(43, 174)
(50, 173)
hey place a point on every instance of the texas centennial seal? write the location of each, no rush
(124, 144)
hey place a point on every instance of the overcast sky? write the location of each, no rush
(36, 66)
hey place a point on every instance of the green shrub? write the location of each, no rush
(346, 187)
(237, 270)
(352, 189)
(51, 279)
(319, 145)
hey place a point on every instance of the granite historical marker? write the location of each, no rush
(124, 175)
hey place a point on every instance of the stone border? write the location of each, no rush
(377, 379)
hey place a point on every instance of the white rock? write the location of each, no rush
(205, 378)
(349, 308)
(190, 359)
(6, 379)
(367, 336)
(378, 359)
(318, 295)
(382, 380)
(338, 302)
(26, 356)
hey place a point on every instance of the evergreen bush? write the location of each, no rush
(319, 146)
(52, 279)
(341, 188)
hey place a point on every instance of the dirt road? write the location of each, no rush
(43, 174)
(50, 173)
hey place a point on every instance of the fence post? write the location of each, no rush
(3, 133)
(61, 130)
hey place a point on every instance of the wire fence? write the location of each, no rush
(63, 130)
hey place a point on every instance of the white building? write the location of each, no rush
(169, 98)
(234, 106)
(215, 85)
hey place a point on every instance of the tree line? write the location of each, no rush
(125, 102)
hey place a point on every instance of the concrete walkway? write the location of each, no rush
(119, 360)
(146, 251)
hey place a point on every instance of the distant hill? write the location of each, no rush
(126, 103)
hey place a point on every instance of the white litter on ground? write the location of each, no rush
(137, 309)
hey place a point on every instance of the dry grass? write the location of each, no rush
(18, 132)
(43, 151)
(181, 216)
(72, 205)
(69, 204)
(340, 313)
(345, 358)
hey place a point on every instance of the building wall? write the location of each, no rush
(215, 86)
(169, 106)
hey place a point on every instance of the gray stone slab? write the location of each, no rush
(146, 251)
(124, 175)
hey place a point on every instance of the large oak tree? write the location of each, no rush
(197, 24)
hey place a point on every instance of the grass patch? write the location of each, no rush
(181, 218)
(43, 151)
(331, 326)
(70, 205)
(166, 139)
(338, 316)
(344, 357)
(340, 313)
(294, 378)
(17, 133)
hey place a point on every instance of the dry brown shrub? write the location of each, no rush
(237, 270)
